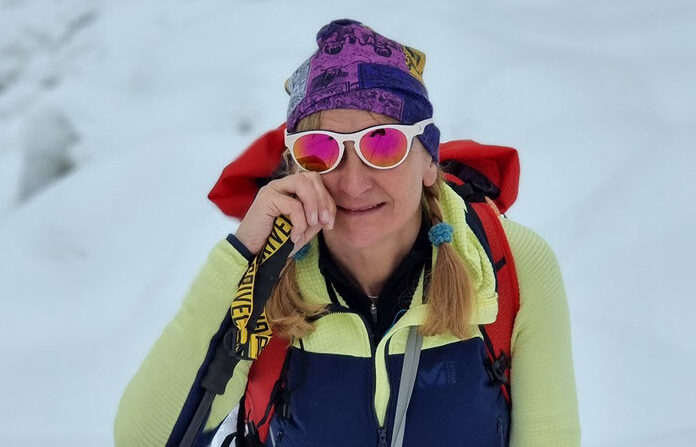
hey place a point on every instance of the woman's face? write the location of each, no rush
(395, 193)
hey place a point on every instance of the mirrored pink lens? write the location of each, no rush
(316, 152)
(384, 147)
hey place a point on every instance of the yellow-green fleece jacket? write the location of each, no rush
(345, 388)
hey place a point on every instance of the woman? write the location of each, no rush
(385, 241)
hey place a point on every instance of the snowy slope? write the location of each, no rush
(146, 102)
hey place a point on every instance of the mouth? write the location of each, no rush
(360, 211)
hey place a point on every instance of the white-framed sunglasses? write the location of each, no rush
(384, 146)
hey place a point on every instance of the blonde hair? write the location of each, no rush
(449, 295)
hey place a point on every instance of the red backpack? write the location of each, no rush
(486, 176)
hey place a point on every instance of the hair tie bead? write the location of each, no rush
(440, 233)
(302, 252)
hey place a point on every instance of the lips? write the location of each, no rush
(359, 208)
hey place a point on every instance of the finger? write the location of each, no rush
(291, 207)
(327, 205)
(303, 187)
(310, 196)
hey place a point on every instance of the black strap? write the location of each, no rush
(500, 264)
(241, 416)
(496, 369)
(227, 442)
(248, 430)
(198, 419)
(279, 395)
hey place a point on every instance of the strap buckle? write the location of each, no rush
(251, 438)
(251, 429)
(496, 369)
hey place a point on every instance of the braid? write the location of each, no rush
(450, 294)
(288, 314)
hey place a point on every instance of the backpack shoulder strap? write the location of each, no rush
(499, 333)
(265, 386)
(485, 223)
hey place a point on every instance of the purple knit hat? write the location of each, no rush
(357, 68)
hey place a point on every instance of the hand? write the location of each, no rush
(302, 197)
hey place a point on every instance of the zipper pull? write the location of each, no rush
(373, 307)
(373, 310)
(382, 437)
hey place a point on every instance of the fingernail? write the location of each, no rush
(325, 216)
(331, 224)
(313, 218)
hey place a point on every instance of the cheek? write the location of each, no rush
(330, 184)
(406, 199)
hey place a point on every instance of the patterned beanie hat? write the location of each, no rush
(357, 68)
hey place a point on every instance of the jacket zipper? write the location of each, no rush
(381, 429)
(382, 432)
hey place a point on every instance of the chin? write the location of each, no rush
(361, 240)
(358, 237)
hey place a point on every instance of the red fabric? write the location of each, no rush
(500, 331)
(263, 374)
(453, 178)
(237, 186)
(500, 164)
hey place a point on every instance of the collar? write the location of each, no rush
(312, 285)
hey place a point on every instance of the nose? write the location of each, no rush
(355, 176)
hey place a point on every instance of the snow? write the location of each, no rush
(148, 101)
(46, 142)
